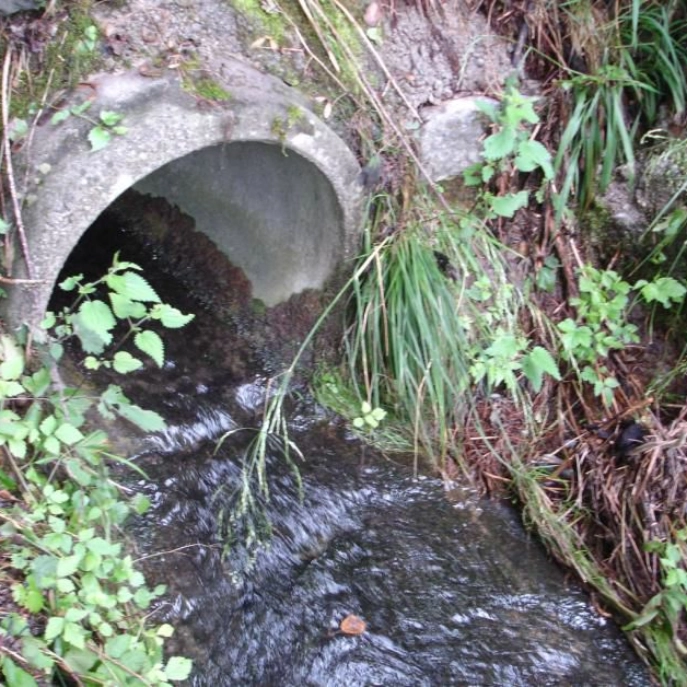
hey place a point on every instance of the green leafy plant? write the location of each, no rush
(103, 128)
(510, 148)
(601, 324)
(131, 301)
(665, 608)
(644, 64)
(88, 40)
(57, 538)
(369, 417)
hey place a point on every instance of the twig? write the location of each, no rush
(8, 161)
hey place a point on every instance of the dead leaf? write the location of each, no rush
(353, 625)
(264, 41)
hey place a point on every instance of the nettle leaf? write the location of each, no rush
(125, 308)
(124, 362)
(150, 343)
(500, 145)
(508, 205)
(92, 324)
(109, 118)
(472, 175)
(536, 364)
(99, 138)
(171, 317)
(178, 668)
(132, 286)
(70, 283)
(532, 154)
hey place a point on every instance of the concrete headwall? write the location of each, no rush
(269, 183)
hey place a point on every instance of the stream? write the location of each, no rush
(452, 590)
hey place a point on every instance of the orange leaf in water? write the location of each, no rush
(352, 625)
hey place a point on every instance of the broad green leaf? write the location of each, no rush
(117, 646)
(92, 363)
(472, 175)
(39, 382)
(378, 414)
(68, 565)
(76, 634)
(12, 364)
(125, 308)
(10, 389)
(532, 154)
(80, 660)
(358, 422)
(665, 290)
(500, 145)
(33, 601)
(143, 597)
(68, 434)
(60, 116)
(147, 420)
(48, 425)
(136, 579)
(136, 660)
(17, 447)
(99, 138)
(124, 362)
(149, 342)
(508, 205)
(536, 363)
(109, 118)
(165, 630)
(170, 316)
(16, 676)
(504, 347)
(132, 286)
(178, 668)
(104, 547)
(54, 628)
(32, 649)
(93, 324)
(52, 445)
(7, 482)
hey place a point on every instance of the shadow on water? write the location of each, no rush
(452, 589)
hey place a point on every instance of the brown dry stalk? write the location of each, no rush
(16, 206)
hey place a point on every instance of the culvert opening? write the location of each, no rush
(249, 232)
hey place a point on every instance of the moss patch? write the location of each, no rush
(69, 51)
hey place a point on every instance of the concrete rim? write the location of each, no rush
(69, 185)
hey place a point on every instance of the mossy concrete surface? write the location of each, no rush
(282, 202)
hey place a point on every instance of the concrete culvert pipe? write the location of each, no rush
(267, 182)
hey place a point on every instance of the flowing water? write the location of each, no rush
(451, 588)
